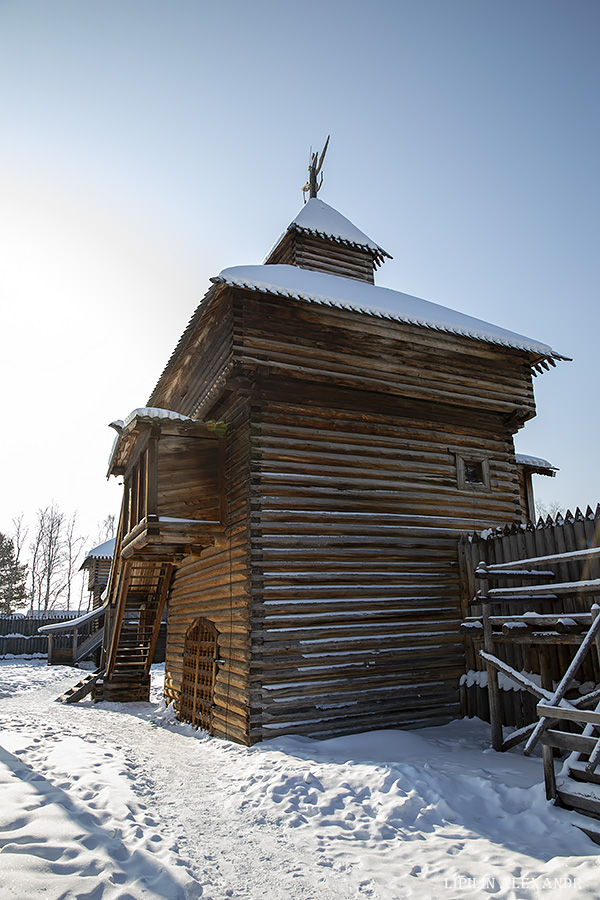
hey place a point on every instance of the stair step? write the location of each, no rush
(80, 690)
(591, 830)
(584, 797)
(578, 774)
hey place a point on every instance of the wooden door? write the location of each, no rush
(196, 701)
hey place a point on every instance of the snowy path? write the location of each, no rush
(118, 802)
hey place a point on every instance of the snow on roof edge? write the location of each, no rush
(536, 462)
(141, 412)
(317, 287)
(318, 218)
(154, 412)
(105, 550)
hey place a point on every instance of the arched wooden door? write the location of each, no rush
(196, 700)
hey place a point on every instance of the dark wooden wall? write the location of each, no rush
(188, 478)
(355, 521)
(215, 586)
(332, 257)
(337, 596)
(324, 344)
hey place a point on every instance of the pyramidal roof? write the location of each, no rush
(317, 217)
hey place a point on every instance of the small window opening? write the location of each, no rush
(474, 472)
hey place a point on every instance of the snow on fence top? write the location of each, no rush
(317, 217)
(348, 293)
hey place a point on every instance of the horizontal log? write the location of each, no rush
(588, 716)
(574, 743)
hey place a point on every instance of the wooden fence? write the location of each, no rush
(564, 534)
(19, 634)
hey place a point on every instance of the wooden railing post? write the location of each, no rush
(493, 685)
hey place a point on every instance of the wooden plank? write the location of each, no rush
(563, 740)
(585, 554)
(591, 586)
(588, 716)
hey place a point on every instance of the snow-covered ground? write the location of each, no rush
(120, 802)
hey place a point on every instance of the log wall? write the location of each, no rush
(321, 255)
(188, 478)
(355, 581)
(215, 586)
(329, 345)
(337, 594)
(201, 360)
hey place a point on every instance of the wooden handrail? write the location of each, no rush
(73, 624)
(535, 560)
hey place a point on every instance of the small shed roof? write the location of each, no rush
(536, 464)
(105, 550)
(317, 217)
(348, 293)
(126, 430)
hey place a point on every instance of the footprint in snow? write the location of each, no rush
(454, 849)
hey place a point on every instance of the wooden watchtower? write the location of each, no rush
(296, 486)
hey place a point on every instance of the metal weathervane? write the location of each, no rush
(313, 185)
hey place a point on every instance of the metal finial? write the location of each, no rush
(313, 185)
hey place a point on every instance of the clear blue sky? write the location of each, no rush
(147, 145)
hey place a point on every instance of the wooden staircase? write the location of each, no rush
(135, 617)
(577, 786)
(80, 690)
(561, 712)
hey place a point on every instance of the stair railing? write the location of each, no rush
(547, 590)
(82, 646)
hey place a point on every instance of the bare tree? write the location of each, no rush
(552, 509)
(47, 577)
(19, 536)
(55, 553)
(106, 529)
(72, 544)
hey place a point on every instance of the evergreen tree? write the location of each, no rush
(13, 593)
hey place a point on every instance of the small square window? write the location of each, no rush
(472, 473)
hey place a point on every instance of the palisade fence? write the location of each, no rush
(573, 531)
(19, 634)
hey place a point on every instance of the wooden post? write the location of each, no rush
(492, 675)
(74, 645)
(595, 613)
(152, 477)
(549, 776)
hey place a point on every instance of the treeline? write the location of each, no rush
(40, 564)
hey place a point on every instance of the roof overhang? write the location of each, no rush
(369, 299)
(144, 420)
(536, 465)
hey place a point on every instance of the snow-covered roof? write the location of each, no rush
(147, 413)
(535, 462)
(349, 293)
(317, 217)
(103, 551)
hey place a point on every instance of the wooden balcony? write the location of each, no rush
(170, 539)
